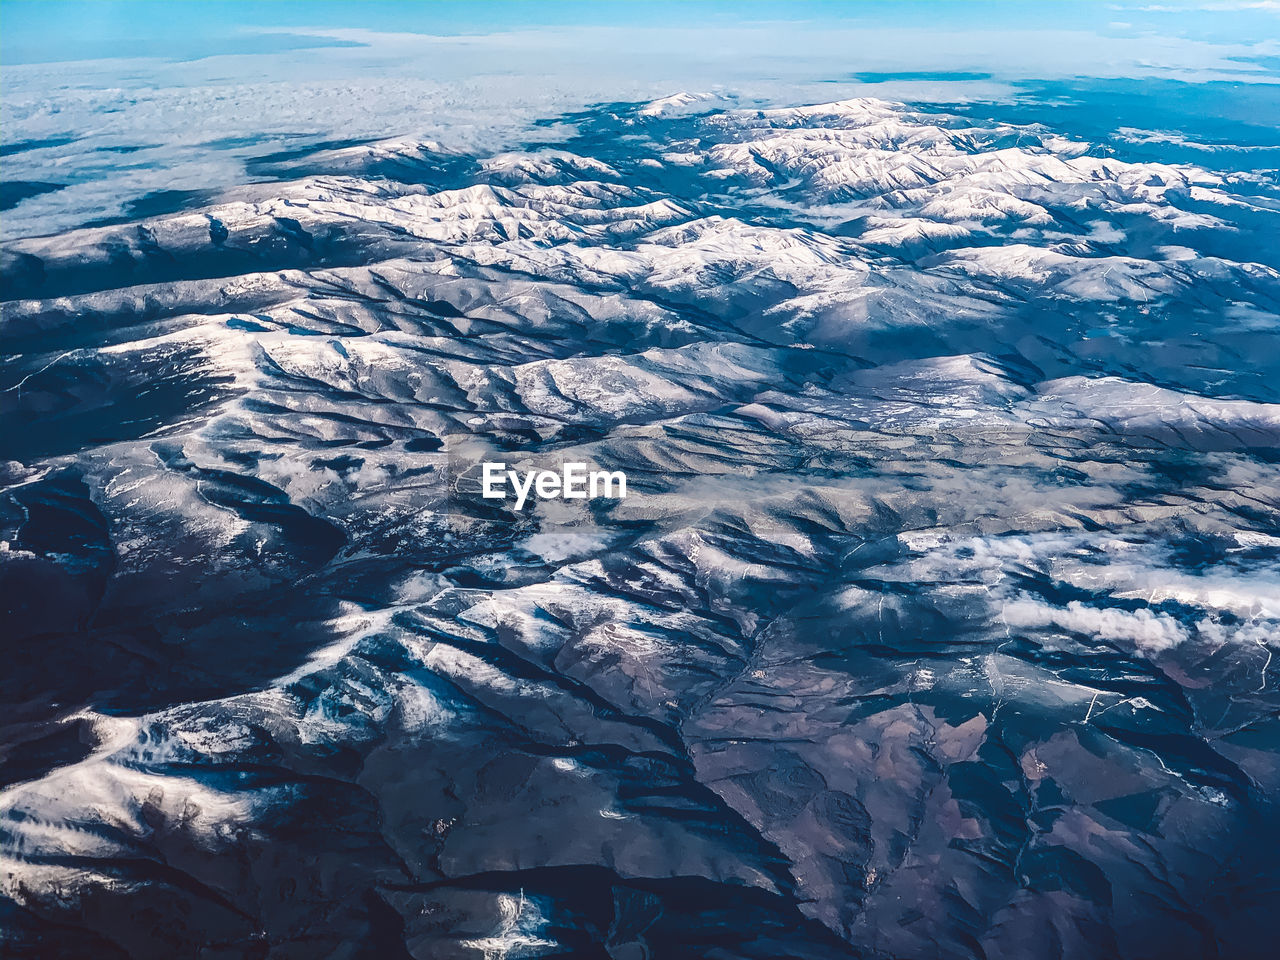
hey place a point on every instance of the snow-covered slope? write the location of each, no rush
(940, 614)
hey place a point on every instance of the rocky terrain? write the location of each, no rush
(939, 621)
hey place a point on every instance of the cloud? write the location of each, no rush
(1150, 632)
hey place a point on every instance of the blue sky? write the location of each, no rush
(33, 31)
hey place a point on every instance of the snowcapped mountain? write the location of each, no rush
(939, 621)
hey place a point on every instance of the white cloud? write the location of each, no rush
(1150, 632)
